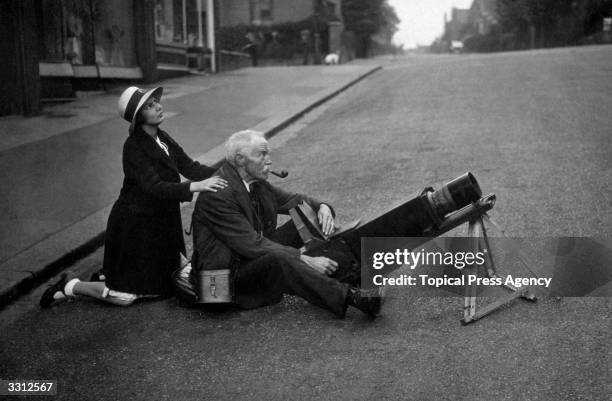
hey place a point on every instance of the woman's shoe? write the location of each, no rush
(49, 296)
(98, 276)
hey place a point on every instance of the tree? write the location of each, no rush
(367, 17)
(539, 22)
(594, 12)
(389, 20)
(362, 16)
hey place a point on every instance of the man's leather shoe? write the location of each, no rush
(367, 301)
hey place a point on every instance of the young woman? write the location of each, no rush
(144, 235)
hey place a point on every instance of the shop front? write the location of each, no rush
(83, 43)
(54, 48)
(180, 35)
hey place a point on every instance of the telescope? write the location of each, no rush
(431, 213)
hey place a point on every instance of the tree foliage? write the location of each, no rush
(594, 12)
(552, 22)
(390, 20)
(369, 16)
(362, 16)
(533, 12)
(365, 18)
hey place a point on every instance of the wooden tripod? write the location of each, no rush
(478, 232)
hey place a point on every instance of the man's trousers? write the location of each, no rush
(264, 280)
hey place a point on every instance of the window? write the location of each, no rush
(65, 29)
(86, 32)
(265, 10)
(261, 11)
(176, 21)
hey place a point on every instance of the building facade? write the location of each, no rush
(483, 16)
(57, 47)
(183, 28)
(456, 26)
(268, 12)
(480, 19)
(53, 48)
(19, 69)
(325, 15)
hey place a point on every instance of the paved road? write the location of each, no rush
(533, 127)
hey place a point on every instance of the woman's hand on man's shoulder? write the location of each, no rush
(212, 184)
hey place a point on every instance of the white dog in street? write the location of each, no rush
(332, 59)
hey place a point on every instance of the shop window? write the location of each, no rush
(166, 27)
(192, 22)
(176, 22)
(86, 32)
(51, 30)
(330, 8)
(114, 34)
(65, 31)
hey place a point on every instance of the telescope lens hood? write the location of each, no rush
(456, 194)
(464, 190)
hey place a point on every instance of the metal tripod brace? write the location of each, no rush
(478, 233)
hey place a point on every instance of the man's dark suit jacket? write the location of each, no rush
(224, 234)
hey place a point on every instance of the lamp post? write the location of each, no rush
(210, 34)
(200, 43)
(317, 36)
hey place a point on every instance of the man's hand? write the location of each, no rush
(321, 264)
(326, 219)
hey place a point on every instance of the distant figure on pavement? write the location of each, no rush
(144, 235)
(235, 228)
(305, 45)
(252, 48)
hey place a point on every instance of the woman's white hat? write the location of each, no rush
(132, 99)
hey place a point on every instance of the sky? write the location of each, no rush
(422, 20)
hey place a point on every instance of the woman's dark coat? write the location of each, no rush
(144, 236)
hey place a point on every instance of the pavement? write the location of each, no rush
(63, 169)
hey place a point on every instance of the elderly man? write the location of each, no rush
(235, 228)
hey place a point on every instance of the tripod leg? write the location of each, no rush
(476, 229)
(493, 306)
(469, 302)
(492, 271)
